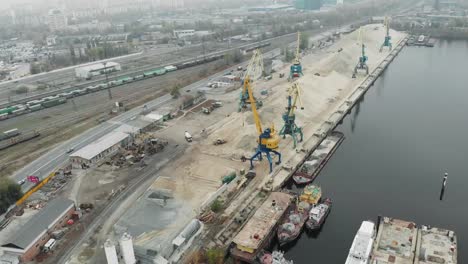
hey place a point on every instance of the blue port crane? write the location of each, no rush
(362, 63)
(296, 68)
(268, 140)
(289, 116)
(254, 70)
(388, 38)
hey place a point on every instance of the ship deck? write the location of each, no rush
(395, 242)
(436, 245)
(261, 225)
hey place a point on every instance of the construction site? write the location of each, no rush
(213, 182)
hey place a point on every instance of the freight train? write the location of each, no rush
(61, 98)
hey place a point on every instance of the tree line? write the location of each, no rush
(10, 192)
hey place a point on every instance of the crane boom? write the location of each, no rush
(298, 47)
(254, 69)
(258, 123)
(296, 93)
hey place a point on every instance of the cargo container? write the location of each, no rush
(31, 103)
(160, 71)
(126, 79)
(35, 107)
(3, 116)
(7, 110)
(11, 133)
(54, 102)
(170, 68)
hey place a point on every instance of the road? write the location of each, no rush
(53, 159)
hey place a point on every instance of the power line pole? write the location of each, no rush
(107, 81)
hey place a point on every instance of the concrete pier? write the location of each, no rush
(290, 166)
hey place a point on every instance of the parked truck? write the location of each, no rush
(188, 137)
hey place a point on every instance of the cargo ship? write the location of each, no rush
(317, 160)
(318, 214)
(360, 250)
(276, 257)
(258, 232)
(291, 227)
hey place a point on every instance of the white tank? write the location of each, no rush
(126, 249)
(111, 254)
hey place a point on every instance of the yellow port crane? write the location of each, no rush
(254, 70)
(268, 140)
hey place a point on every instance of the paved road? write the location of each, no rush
(53, 159)
(45, 164)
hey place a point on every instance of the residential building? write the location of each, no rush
(56, 20)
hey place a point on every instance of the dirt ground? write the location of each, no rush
(198, 173)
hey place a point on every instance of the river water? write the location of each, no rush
(410, 128)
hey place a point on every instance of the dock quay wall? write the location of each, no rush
(280, 176)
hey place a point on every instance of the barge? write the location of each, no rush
(260, 229)
(317, 160)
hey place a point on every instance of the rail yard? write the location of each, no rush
(174, 160)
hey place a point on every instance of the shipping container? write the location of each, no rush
(170, 68)
(35, 107)
(54, 102)
(11, 133)
(160, 71)
(7, 110)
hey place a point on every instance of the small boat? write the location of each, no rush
(360, 250)
(291, 227)
(318, 214)
(276, 257)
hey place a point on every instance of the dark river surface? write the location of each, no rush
(410, 128)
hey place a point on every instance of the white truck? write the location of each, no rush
(188, 137)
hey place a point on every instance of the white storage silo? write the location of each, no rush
(111, 254)
(126, 249)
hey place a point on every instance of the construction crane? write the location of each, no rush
(362, 63)
(268, 140)
(388, 38)
(254, 70)
(296, 68)
(289, 116)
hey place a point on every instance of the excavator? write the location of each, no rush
(290, 127)
(296, 69)
(362, 63)
(254, 70)
(388, 38)
(268, 140)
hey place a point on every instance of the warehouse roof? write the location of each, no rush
(39, 224)
(97, 147)
(97, 66)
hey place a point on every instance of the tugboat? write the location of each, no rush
(318, 214)
(292, 224)
(276, 257)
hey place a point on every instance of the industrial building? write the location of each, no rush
(308, 4)
(87, 72)
(28, 242)
(98, 150)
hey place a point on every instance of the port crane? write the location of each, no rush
(268, 140)
(296, 69)
(362, 63)
(254, 70)
(388, 38)
(289, 116)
